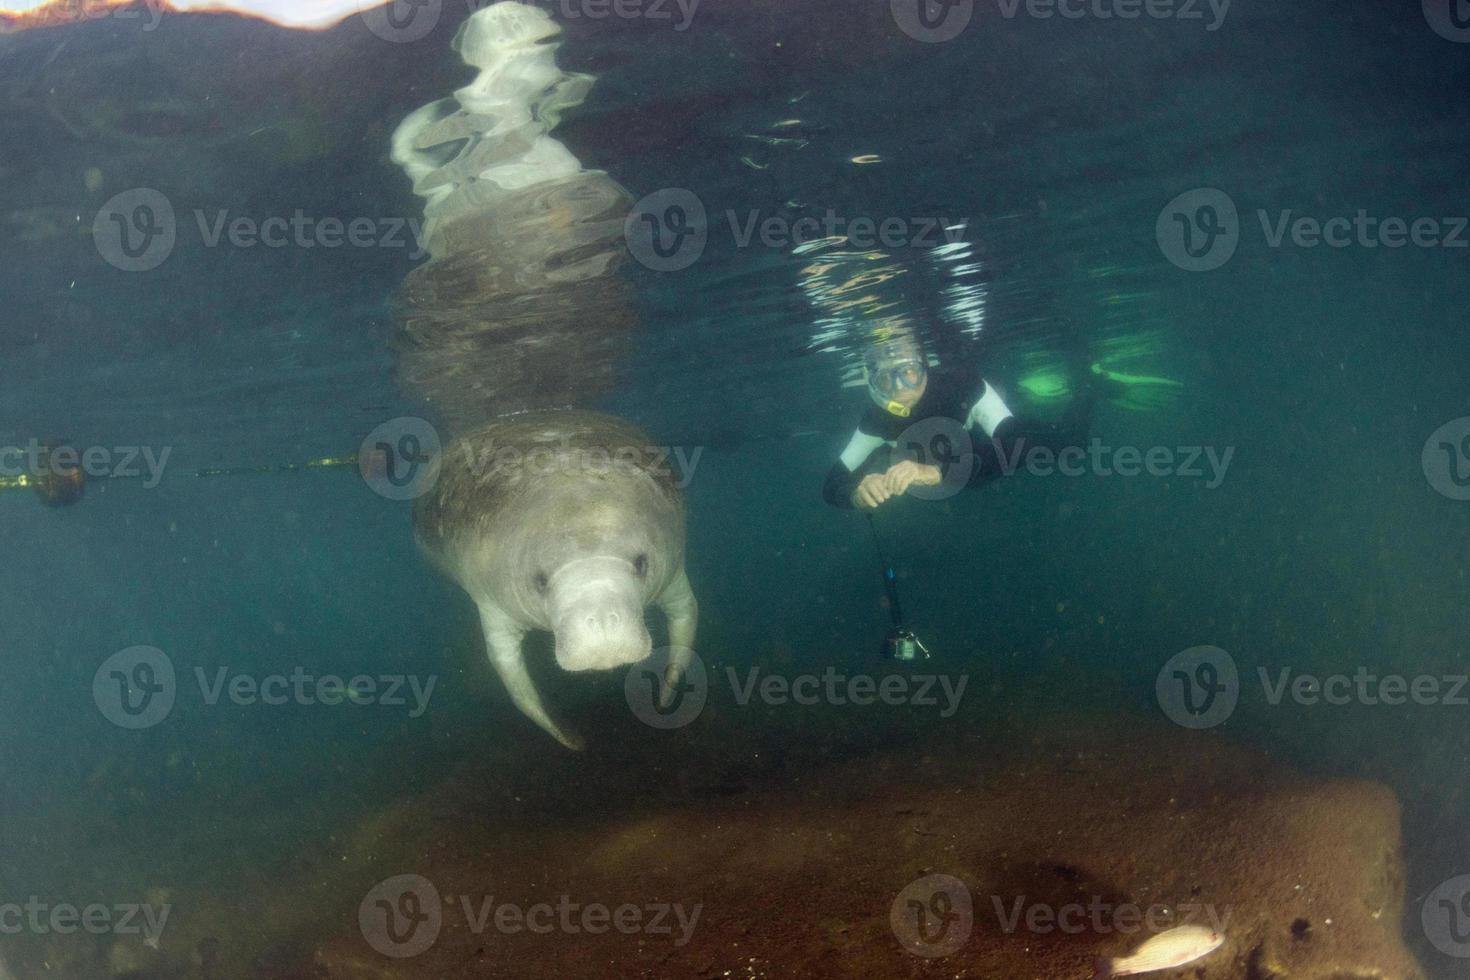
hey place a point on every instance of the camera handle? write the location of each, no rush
(890, 577)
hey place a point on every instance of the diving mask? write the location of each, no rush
(889, 377)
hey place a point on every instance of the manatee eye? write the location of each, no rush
(541, 582)
(640, 565)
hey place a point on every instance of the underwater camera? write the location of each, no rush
(902, 645)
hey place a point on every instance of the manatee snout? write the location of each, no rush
(596, 612)
(575, 546)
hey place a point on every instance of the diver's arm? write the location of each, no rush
(988, 411)
(1013, 437)
(857, 461)
(994, 455)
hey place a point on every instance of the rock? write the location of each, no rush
(1039, 821)
(1305, 877)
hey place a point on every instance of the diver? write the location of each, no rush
(873, 469)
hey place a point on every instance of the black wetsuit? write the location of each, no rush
(955, 405)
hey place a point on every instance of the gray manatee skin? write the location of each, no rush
(564, 521)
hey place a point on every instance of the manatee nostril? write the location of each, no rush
(614, 620)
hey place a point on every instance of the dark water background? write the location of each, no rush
(1324, 369)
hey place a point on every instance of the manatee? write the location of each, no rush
(564, 521)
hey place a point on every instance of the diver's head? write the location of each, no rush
(897, 375)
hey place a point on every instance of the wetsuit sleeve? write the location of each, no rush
(1005, 451)
(988, 411)
(857, 461)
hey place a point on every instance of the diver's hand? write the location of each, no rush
(877, 488)
(871, 491)
(902, 475)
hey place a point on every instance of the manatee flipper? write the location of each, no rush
(682, 609)
(503, 643)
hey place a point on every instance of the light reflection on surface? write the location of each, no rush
(308, 14)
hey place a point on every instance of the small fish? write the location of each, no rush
(1165, 951)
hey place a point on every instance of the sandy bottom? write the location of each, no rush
(772, 842)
